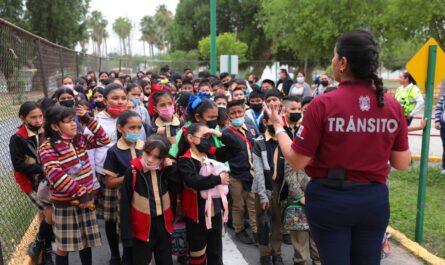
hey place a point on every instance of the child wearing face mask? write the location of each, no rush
(134, 92)
(255, 111)
(128, 147)
(67, 168)
(116, 103)
(292, 115)
(205, 245)
(147, 223)
(167, 123)
(28, 173)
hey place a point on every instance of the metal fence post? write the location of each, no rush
(77, 64)
(61, 63)
(120, 65)
(42, 69)
(100, 64)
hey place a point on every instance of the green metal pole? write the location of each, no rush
(432, 51)
(213, 37)
(230, 64)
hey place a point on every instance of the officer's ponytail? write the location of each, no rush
(361, 51)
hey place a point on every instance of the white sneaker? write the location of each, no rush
(442, 172)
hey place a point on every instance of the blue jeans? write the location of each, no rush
(442, 135)
(348, 225)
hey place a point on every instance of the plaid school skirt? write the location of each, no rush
(108, 202)
(75, 228)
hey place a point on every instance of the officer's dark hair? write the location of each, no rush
(362, 53)
(306, 100)
(406, 74)
(273, 93)
(234, 103)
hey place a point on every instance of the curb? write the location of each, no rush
(432, 159)
(415, 248)
(20, 257)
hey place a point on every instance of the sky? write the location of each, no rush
(134, 10)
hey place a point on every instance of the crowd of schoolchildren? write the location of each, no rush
(163, 156)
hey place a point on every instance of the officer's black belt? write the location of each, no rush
(339, 183)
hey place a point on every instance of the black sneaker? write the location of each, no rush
(286, 239)
(35, 248)
(266, 260)
(244, 237)
(277, 260)
(115, 261)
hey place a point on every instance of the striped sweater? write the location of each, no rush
(56, 164)
(440, 108)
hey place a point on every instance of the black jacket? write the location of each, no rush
(25, 159)
(287, 83)
(192, 202)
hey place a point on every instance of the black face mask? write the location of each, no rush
(204, 145)
(212, 124)
(99, 104)
(324, 83)
(33, 127)
(67, 103)
(271, 129)
(294, 117)
(256, 107)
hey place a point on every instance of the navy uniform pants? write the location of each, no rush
(348, 224)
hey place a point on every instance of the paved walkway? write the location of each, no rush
(240, 254)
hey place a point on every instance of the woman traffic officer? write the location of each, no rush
(345, 142)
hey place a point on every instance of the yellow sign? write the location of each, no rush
(418, 65)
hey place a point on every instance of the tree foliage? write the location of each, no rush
(98, 26)
(192, 23)
(226, 43)
(12, 10)
(122, 27)
(59, 21)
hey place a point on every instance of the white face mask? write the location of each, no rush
(300, 79)
(71, 86)
(222, 106)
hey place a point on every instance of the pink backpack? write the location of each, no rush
(213, 167)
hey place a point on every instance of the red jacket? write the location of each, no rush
(135, 216)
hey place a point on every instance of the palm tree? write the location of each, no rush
(97, 24)
(162, 18)
(122, 27)
(148, 30)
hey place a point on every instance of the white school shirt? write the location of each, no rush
(109, 125)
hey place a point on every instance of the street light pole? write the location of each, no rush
(213, 37)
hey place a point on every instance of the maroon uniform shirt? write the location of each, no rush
(346, 128)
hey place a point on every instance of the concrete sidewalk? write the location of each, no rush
(240, 254)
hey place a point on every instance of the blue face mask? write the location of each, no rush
(238, 122)
(133, 137)
(136, 102)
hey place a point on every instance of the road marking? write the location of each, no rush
(231, 254)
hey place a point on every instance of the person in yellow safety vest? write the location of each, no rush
(409, 96)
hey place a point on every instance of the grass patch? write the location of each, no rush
(16, 214)
(403, 199)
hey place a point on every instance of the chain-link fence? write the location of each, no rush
(31, 68)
